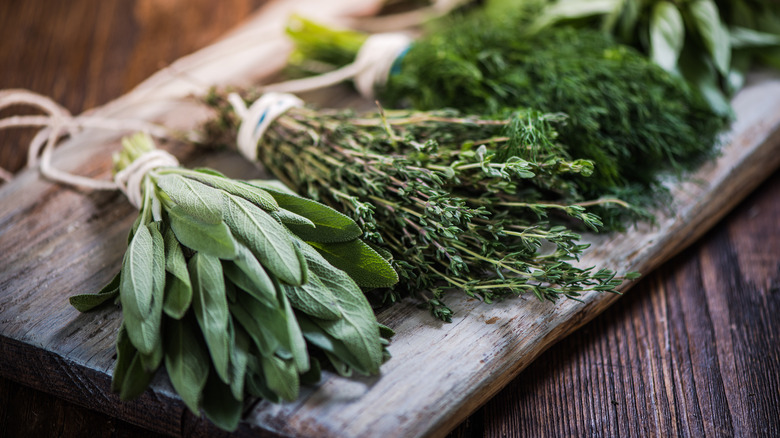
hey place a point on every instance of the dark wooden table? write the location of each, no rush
(693, 349)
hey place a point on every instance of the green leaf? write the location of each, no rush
(714, 35)
(152, 360)
(209, 238)
(219, 405)
(194, 198)
(360, 262)
(186, 361)
(281, 377)
(178, 290)
(87, 302)
(242, 189)
(357, 328)
(265, 237)
(137, 292)
(255, 381)
(314, 298)
(667, 35)
(129, 379)
(266, 326)
(743, 38)
(564, 10)
(211, 309)
(334, 347)
(289, 218)
(239, 355)
(330, 225)
(300, 355)
(247, 273)
(704, 78)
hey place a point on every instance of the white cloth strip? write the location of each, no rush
(258, 117)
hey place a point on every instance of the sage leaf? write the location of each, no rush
(364, 265)
(87, 302)
(178, 290)
(335, 348)
(209, 238)
(329, 224)
(265, 237)
(124, 356)
(289, 218)
(297, 343)
(219, 405)
(255, 381)
(251, 193)
(152, 360)
(186, 361)
(137, 292)
(281, 377)
(211, 309)
(742, 38)
(667, 35)
(247, 273)
(357, 328)
(195, 198)
(714, 35)
(239, 354)
(266, 326)
(313, 298)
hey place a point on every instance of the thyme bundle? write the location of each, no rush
(629, 116)
(458, 202)
(224, 284)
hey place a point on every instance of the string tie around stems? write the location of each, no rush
(256, 119)
(58, 123)
(130, 179)
(372, 67)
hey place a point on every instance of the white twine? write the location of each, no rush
(58, 123)
(258, 117)
(130, 179)
(369, 71)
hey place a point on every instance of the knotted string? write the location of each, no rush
(130, 179)
(370, 70)
(256, 119)
(58, 123)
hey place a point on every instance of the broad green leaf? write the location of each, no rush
(742, 38)
(247, 273)
(250, 192)
(266, 326)
(255, 381)
(357, 328)
(335, 348)
(152, 360)
(178, 290)
(209, 238)
(136, 381)
(239, 355)
(330, 225)
(124, 356)
(195, 198)
(211, 309)
(297, 343)
(137, 290)
(219, 405)
(186, 361)
(87, 302)
(564, 10)
(704, 78)
(289, 218)
(266, 238)
(714, 35)
(364, 265)
(281, 377)
(667, 35)
(314, 298)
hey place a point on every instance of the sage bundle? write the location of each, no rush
(628, 115)
(227, 285)
(482, 205)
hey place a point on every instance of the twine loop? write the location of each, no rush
(256, 119)
(58, 123)
(130, 179)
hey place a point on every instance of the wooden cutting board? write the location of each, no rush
(56, 242)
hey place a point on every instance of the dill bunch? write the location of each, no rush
(483, 205)
(626, 114)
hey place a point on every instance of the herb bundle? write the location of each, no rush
(629, 116)
(459, 202)
(227, 285)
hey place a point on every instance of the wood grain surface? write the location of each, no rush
(691, 350)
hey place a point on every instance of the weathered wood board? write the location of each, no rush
(56, 241)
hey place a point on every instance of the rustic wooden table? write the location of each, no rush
(693, 349)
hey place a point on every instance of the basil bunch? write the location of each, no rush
(232, 286)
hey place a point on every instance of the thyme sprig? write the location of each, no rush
(487, 206)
